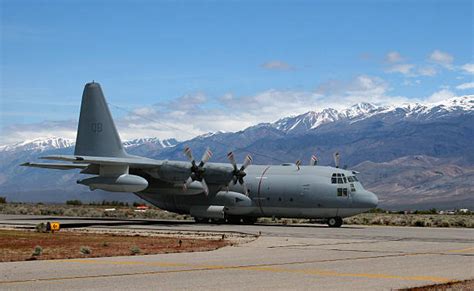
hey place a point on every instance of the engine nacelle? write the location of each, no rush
(211, 211)
(235, 203)
(122, 183)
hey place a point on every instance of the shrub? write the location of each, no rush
(74, 202)
(85, 250)
(37, 251)
(135, 250)
(3, 200)
(40, 227)
(419, 222)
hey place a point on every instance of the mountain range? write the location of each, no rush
(413, 156)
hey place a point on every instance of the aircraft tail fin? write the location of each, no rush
(96, 132)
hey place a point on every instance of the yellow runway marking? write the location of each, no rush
(468, 250)
(261, 268)
(197, 267)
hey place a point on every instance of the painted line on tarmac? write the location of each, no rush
(273, 268)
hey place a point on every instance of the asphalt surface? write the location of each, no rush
(283, 257)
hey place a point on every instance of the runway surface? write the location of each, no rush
(283, 257)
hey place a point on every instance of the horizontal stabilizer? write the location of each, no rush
(56, 166)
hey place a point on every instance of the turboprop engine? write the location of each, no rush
(122, 183)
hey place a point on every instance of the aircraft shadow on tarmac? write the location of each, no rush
(101, 221)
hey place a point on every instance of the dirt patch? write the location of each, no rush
(451, 286)
(21, 245)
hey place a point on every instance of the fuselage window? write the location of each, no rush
(353, 189)
(342, 192)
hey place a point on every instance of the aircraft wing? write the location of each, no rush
(132, 161)
(57, 166)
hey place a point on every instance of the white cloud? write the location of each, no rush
(404, 69)
(277, 65)
(409, 82)
(468, 68)
(465, 86)
(440, 96)
(427, 71)
(442, 58)
(393, 57)
(21, 132)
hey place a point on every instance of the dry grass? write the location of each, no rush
(420, 220)
(21, 245)
(88, 211)
(451, 286)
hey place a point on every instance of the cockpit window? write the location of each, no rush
(338, 178)
(350, 179)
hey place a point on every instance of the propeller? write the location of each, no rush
(313, 161)
(239, 174)
(298, 164)
(337, 158)
(197, 170)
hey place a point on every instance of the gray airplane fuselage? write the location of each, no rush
(274, 191)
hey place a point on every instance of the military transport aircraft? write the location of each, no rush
(208, 191)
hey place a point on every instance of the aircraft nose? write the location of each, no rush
(374, 200)
(368, 200)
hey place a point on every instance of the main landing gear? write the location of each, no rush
(229, 220)
(335, 222)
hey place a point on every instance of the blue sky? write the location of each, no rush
(228, 64)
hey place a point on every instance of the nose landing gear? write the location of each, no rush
(334, 222)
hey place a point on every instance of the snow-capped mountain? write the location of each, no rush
(361, 111)
(39, 144)
(54, 143)
(150, 141)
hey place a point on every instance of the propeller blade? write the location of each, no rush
(314, 160)
(247, 162)
(337, 158)
(231, 158)
(187, 183)
(189, 154)
(246, 190)
(204, 186)
(298, 164)
(206, 156)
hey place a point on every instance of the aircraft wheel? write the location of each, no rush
(249, 220)
(201, 220)
(335, 222)
(234, 220)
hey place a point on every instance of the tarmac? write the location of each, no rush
(283, 257)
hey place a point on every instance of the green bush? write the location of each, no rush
(135, 250)
(74, 202)
(37, 251)
(3, 200)
(85, 250)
